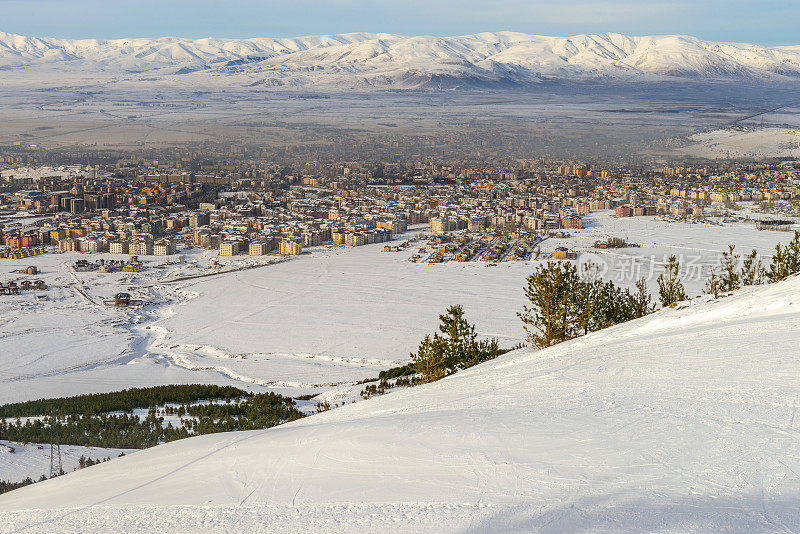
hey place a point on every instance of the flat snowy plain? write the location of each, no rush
(755, 144)
(322, 321)
(681, 421)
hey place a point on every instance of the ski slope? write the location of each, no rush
(682, 421)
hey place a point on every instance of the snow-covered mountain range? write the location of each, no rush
(397, 62)
(682, 421)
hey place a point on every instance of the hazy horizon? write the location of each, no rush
(736, 21)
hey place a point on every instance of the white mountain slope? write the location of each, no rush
(685, 420)
(396, 61)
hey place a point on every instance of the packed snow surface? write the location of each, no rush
(684, 420)
(370, 60)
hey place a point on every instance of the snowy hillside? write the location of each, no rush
(684, 420)
(21, 460)
(396, 61)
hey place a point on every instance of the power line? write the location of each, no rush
(56, 468)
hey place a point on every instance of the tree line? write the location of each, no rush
(565, 303)
(120, 401)
(7, 485)
(735, 272)
(128, 431)
(83, 462)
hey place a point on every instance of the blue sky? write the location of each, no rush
(760, 21)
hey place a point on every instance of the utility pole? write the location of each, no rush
(55, 449)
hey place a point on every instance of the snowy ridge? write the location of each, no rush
(396, 61)
(682, 421)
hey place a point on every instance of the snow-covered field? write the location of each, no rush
(322, 321)
(682, 421)
(35, 173)
(33, 460)
(697, 245)
(73, 342)
(753, 143)
(363, 303)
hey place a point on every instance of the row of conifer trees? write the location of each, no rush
(565, 302)
(75, 424)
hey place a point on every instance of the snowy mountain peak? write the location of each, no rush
(397, 61)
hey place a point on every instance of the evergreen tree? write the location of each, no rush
(786, 260)
(642, 301)
(670, 288)
(482, 351)
(553, 315)
(588, 291)
(429, 361)
(459, 336)
(729, 279)
(615, 306)
(752, 271)
(778, 267)
(457, 348)
(712, 285)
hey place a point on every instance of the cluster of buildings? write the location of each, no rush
(147, 208)
(288, 222)
(146, 217)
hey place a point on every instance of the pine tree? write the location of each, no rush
(588, 292)
(604, 309)
(457, 348)
(642, 301)
(429, 361)
(729, 275)
(459, 336)
(553, 315)
(615, 306)
(777, 268)
(752, 271)
(786, 260)
(712, 285)
(589, 302)
(670, 288)
(482, 351)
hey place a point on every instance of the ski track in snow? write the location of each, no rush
(682, 421)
